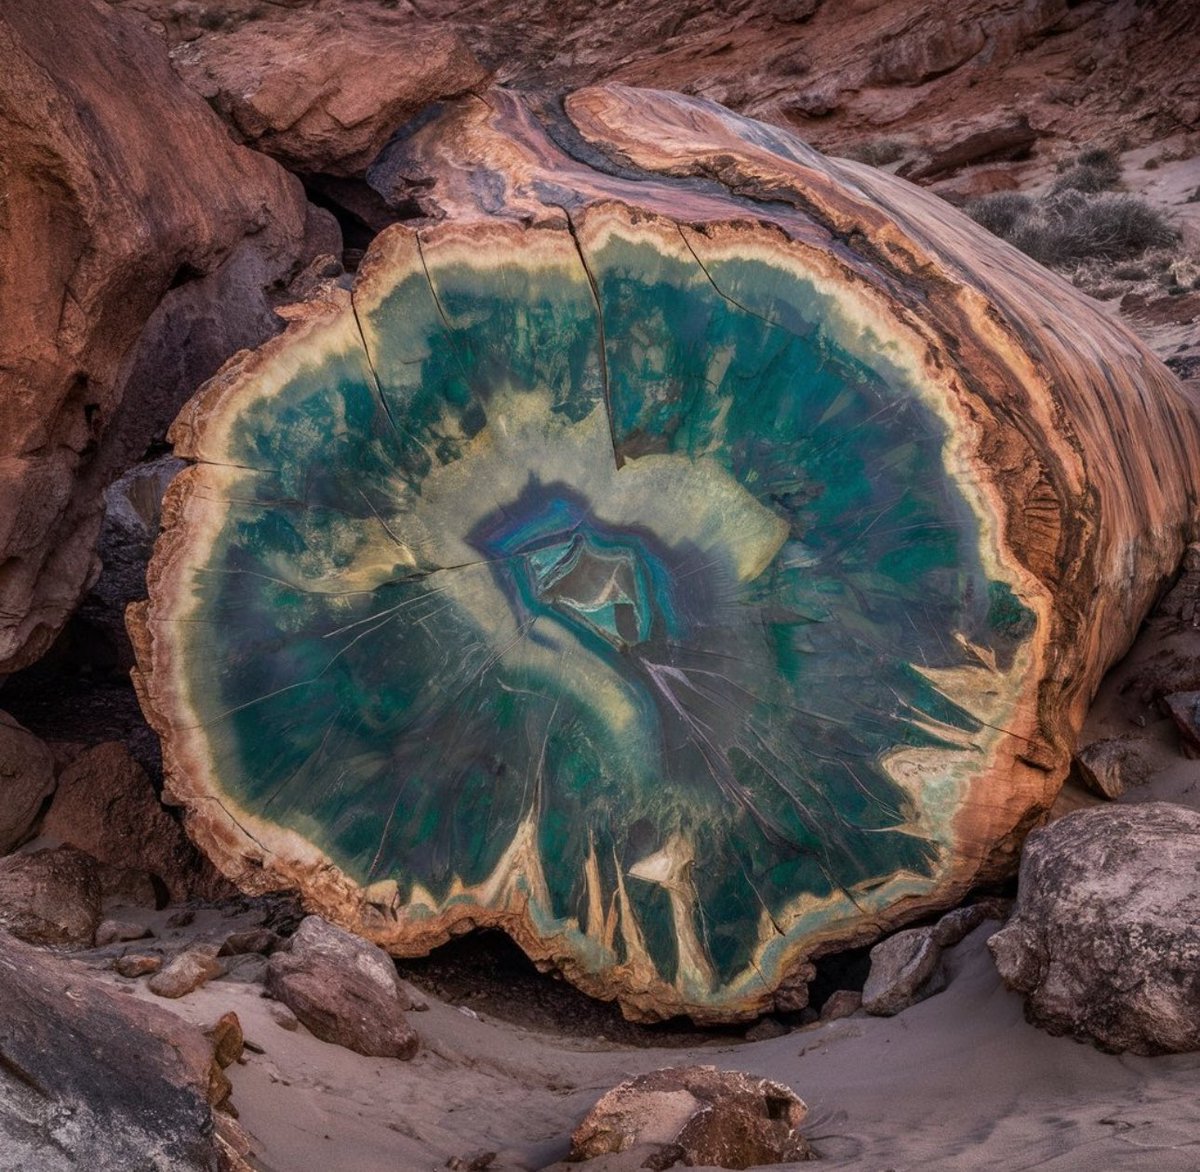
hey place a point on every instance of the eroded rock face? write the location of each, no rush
(323, 91)
(50, 897)
(344, 990)
(26, 780)
(98, 1081)
(1105, 941)
(696, 1115)
(106, 805)
(137, 249)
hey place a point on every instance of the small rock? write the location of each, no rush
(183, 918)
(696, 1115)
(767, 1028)
(220, 1090)
(51, 897)
(283, 1017)
(344, 990)
(248, 968)
(1112, 766)
(260, 940)
(905, 969)
(475, 1163)
(188, 971)
(120, 931)
(843, 1003)
(956, 926)
(1184, 709)
(138, 964)
(227, 1039)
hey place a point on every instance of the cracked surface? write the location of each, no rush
(630, 581)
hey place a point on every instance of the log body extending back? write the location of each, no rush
(683, 551)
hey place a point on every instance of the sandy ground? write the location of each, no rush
(959, 1081)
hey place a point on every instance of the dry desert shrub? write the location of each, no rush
(1071, 226)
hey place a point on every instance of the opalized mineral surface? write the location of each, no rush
(634, 586)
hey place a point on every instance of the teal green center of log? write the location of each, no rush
(643, 639)
(601, 588)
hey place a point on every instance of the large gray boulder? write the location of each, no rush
(1105, 940)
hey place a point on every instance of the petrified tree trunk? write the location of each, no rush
(685, 552)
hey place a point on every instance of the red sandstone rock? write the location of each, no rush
(344, 990)
(106, 805)
(696, 1115)
(26, 780)
(137, 245)
(50, 897)
(323, 91)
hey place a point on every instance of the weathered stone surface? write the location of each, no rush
(137, 964)
(120, 931)
(905, 969)
(185, 972)
(766, 1029)
(843, 1003)
(345, 990)
(1112, 766)
(50, 897)
(696, 1115)
(1184, 710)
(746, 227)
(106, 805)
(323, 91)
(98, 1081)
(1105, 938)
(1183, 602)
(138, 246)
(955, 925)
(284, 1018)
(992, 138)
(227, 1039)
(26, 781)
(260, 940)
(132, 887)
(132, 510)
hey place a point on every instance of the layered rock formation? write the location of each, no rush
(675, 554)
(840, 72)
(138, 249)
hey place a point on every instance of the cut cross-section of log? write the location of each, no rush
(684, 552)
